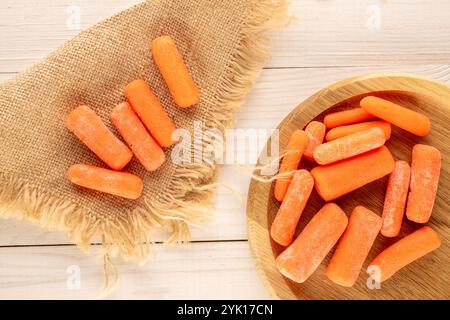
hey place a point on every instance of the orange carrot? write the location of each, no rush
(395, 200)
(404, 118)
(148, 152)
(294, 151)
(349, 146)
(343, 131)
(175, 72)
(151, 112)
(425, 168)
(286, 220)
(316, 132)
(337, 179)
(90, 129)
(116, 183)
(354, 246)
(299, 261)
(403, 252)
(342, 118)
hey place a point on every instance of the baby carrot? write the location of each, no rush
(334, 180)
(116, 183)
(294, 151)
(349, 146)
(145, 148)
(175, 72)
(403, 252)
(342, 118)
(299, 261)
(404, 118)
(354, 246)
(316, 132)
(90, 129)
(425, 168)
(286, 220)
(151, 112)
(343, 131)
(395, 200)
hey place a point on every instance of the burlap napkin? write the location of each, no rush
(224, 44)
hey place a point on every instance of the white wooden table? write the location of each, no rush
(331, 40)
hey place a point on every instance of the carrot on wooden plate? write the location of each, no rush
(343, 131)
(395, 200)
(342, 118)
(150, 111)
(403, 252)
(90, 129)
(120, 184)
(283, 227)
(425, 170)
(299, 261)
(354, 246)
(336, 179)
(144, 147)
(294, 151)
(349, 146)
(175, 72)
(402, 117)
(316, 133)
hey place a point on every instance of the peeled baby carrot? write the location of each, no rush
(144, 147)
(349, 146)
(294, 151)
(404, 118)
(299, 261)
(354, 246)
(316, 132)
(286, 220)
(425, 169)
(175, 72)
(116, 183)
(403, 252)
(90, 129)
(151, 112)
(343, 131)
(334, 180)
(342, 118)
(395, 200)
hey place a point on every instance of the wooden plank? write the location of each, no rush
(192, 272)
(326, 33)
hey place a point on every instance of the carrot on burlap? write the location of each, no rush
(354, 246)
(402, 117)
(403, 252)
(120, 184)
(343, 131)
(316, 133)
(144, 147)
(349, 146)
(283, 227)
(150, 111)
(342, 118)
(294, 151)
(334, 180)
(299, 261)
(395, 200)
(175, 72)
(90, 129)
(425, 170)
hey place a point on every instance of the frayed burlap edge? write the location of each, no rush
(188, 200)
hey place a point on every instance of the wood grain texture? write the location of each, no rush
(427, 278)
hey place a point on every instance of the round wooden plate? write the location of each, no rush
(428, 277)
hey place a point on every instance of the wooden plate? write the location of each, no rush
(429, 277)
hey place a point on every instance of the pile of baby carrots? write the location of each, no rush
(142, 122)
(352, 156)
